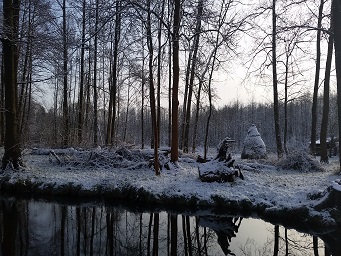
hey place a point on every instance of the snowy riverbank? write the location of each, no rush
(289, 196)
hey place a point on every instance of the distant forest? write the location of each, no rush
(233, 120)
(145, 73)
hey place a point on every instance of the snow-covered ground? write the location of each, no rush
(267, 190)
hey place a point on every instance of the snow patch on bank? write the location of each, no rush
(264, 184)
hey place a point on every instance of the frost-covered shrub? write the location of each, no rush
(300, 161)
(253, 145)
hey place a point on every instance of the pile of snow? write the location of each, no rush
(253, 145)
(300, 161)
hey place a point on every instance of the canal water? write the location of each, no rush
(29, 227)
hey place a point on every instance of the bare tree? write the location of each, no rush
(143, 80)
(192, 68)
(81, 75)
(325, 114)
(317, 80)
(2, 103)
(113, 88)
(152, 93)
(11, 9)
(66, 129)
(95, 128)
(159, 66)
(336, 21)
(175, 91)
(275, 83)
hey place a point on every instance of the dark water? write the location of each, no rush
(42, 228)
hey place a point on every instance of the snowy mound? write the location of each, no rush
(300, 161)
(253, 145)
(217, 171)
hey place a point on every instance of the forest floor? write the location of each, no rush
(290, 191)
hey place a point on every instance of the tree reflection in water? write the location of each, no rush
(40, 228)
(225, 228)
(10, 212)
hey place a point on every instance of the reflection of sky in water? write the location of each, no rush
(252, 229)
(256, 237)
(133, 232)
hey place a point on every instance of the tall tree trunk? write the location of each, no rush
(336, 24)
(222, 16)
(113, 89)
(289, 49)
(11, 9)
(66, 128)
(325, 113)
(175, 101)
(2, 104)
(143, 80)
(152, 92)
(125, 128)
(275, 83)
(87, 100)
(317, 81)
(196, 120)
(25, 73)
(169, 89)
(95, 128)
(285, 136)
(81, 82)
(192, 75)
(55, 108)
(158, 94)
(210, 107)
(184, 105)
(27, 105)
